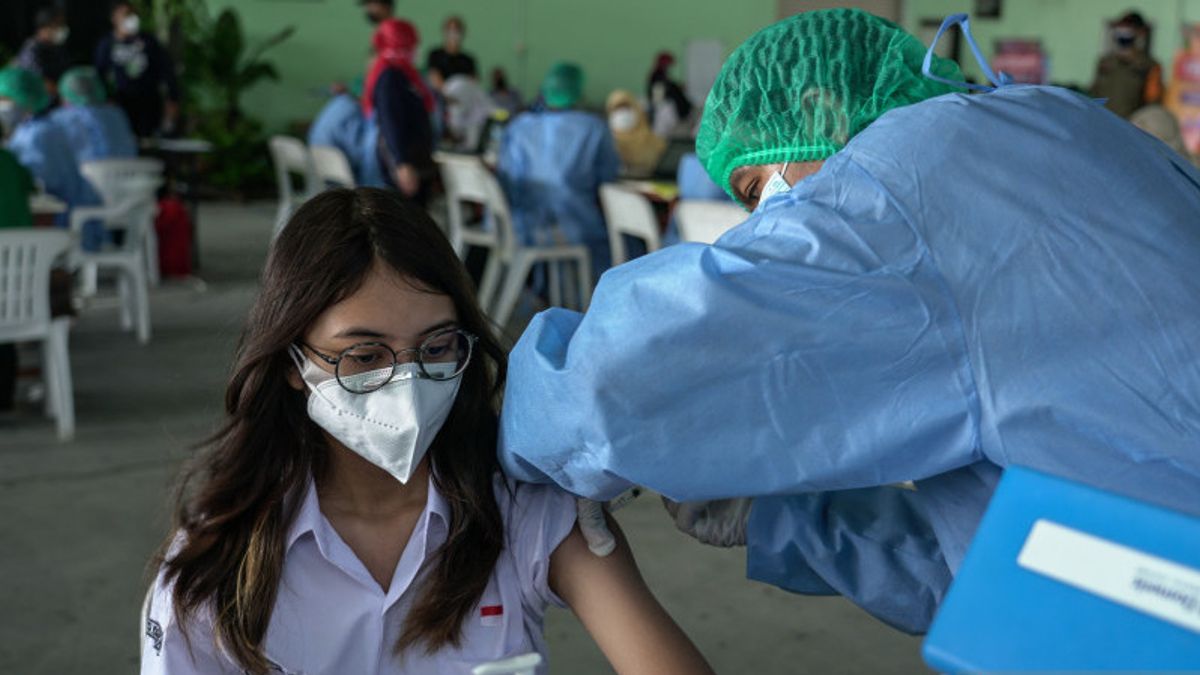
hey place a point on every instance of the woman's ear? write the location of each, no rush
(293, 377)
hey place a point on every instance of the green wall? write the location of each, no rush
(615, 40)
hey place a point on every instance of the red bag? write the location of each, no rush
(174, 229)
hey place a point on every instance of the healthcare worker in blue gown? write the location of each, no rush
(342, 124)
(932, 286)
(43, 148)
(96, 128)
(552, 164)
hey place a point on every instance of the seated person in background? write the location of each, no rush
(468, 109)
(552, 164)
(637, 145)
(449, 59)
(694, 183)
(504, 96)
(342, 124)
(1161, 124)
(43, 147)
(16, 185)
(96, 128)
(45, 53)
(1128, 77)
(351, 515)
(401, 104)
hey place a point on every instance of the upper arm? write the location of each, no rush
(619, 611)
(169, 649)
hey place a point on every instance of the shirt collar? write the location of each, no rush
(310, 519)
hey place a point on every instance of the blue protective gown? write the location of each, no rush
(551, 165)
(973, 282)
(43, 148)
(342, 125)
(97, 131)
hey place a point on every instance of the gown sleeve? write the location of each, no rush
(812, 348)
(874, 546)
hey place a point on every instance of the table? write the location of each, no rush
(45, 208)
(663, 195)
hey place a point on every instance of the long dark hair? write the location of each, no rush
(236, 503)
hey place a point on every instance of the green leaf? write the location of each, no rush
(270, 43)
(254, 72)
(225, 45)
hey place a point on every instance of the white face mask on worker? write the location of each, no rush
(775, 185)
(623, 119)
(131, 24)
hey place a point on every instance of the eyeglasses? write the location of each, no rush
(368, 366)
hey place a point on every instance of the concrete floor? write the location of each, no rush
(81, 519)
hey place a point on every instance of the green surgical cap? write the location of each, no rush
(800, 89)
(82, 86)
(24, 88)
(563, 86)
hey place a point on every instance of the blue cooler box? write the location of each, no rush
(1061, 576)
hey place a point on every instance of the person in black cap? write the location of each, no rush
(377, 10)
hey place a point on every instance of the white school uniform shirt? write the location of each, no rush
(331, 617)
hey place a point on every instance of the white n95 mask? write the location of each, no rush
(391, 427)
(775, 185)
(131, 24)
(623, 119)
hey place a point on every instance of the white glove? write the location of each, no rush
(594, 527)
(720, 522)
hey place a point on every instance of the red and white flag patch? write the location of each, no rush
(491, 615)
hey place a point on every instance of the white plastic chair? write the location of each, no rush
(509, 262)
(628, 212)
(26, 257)
(331, 167)
(462, 187)
(136, 216)
(705, 221)
(118, 181)
(291, 157)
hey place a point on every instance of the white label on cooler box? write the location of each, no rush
(1161, 588)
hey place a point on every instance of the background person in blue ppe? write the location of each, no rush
(43, 148)
(694, 184)
(931, 287)
(96, 128)
(342, 124)
(552, 163)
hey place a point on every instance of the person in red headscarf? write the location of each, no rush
(669, 106)
(402, 104)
